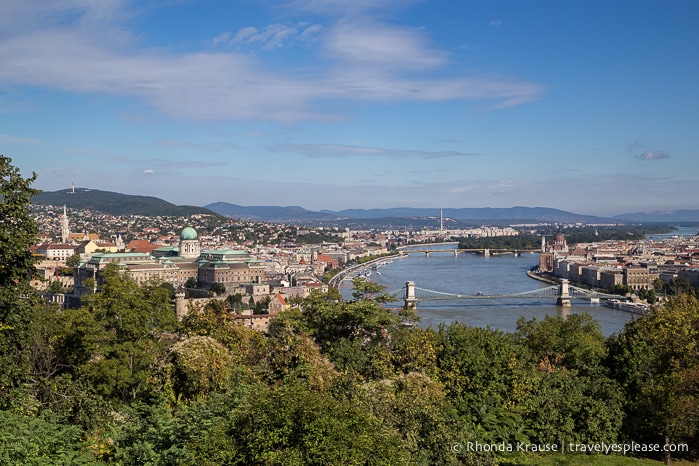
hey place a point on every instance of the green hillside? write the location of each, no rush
(115, 203)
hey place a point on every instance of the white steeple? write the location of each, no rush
(65, 229)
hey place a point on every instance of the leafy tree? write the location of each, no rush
(40, 440)
(365, 289)
(234, 301)
(73, 260)
(245, 346)
(648, 295)
(656, 359)
(129, 318)
(18, 230)
(191, 283)
(416, 407)
(218, 288)
(18, 302)
(620, 289)
(575, 342)
(483, 372)
(293, 425)
(679, 285)
(262, 305)
(571, 397)
(169, 287)
(152, 434)
(200, 365)
(55, 287)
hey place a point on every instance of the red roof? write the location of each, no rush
(140, 245)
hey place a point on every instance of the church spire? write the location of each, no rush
(65, 229)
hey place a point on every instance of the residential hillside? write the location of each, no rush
(115, 203)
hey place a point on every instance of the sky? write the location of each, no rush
(590, 106)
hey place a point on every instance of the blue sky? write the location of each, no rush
(588, 106)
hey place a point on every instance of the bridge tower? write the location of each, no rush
(410, 299)
(563, 293)
(486, 252)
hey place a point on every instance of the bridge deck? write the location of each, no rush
(553, 291)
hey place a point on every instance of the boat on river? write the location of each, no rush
(634, 308)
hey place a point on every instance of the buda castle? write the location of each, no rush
(177, 265)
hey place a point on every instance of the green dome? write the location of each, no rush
(188, 233)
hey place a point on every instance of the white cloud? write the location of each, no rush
(654, 155)
(378, 44)
(83, 48)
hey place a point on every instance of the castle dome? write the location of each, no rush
(188, 233)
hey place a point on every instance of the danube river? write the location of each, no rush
(468, 274)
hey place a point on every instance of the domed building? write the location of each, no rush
(189, 243)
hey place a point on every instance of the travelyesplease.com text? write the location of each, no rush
(599, 448)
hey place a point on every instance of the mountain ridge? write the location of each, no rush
(127, 204)
(517, 213)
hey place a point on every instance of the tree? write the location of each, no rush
(483, 372)
(130, 319)
(73, 260)
(365, 289)
(41, 440)
(218, 288)
(575, 342)
(295, 425)
(679, 285)
(656, 360)
(571, 396)
(191, 283)
(200, 365)
(18, 230)
(18, 301)
(55, 287)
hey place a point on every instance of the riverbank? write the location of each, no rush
(340, 276)
(538, 277)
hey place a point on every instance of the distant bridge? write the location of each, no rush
(563, 293)
(483, 251)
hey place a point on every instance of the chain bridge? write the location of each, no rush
(563, 293)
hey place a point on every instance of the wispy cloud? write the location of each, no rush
(83, 48)
(270, 37)
(654, 155)
(377, 44)
(633, 146)
(339, 150)
(206, 147)
(7, 139)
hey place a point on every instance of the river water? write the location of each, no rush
(467, 274)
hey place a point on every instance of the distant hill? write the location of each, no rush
(115, 203)
(668, 216)
(269, 213)
(481, 213)
(295, 213)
